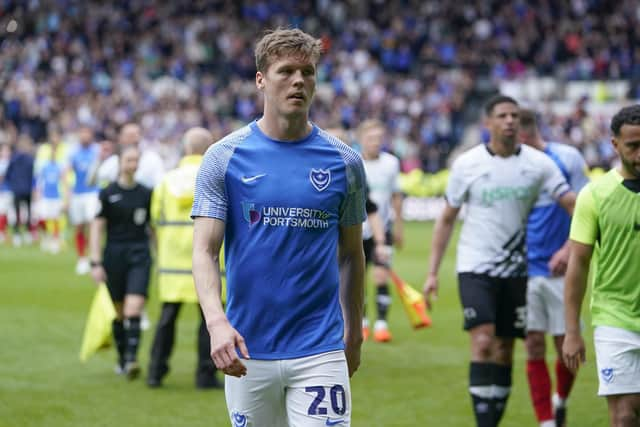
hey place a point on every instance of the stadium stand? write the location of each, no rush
(422, 67)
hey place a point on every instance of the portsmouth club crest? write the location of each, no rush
(320, 178)
(250, 213)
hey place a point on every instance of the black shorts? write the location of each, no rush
(128, 267)
(369, 246)
(494, 300)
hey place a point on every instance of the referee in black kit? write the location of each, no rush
(126, 263)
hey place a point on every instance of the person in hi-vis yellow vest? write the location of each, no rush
(170, 209)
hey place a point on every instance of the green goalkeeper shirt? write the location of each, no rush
(607, 216)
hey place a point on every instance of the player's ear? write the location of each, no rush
(259, 80)
(615, 144)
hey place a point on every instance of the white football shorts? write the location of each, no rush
(617, 360)
(83, 208)
(48, 209)
(545, 305)
(310, 391)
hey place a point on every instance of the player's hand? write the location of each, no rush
(573, 351)
(430, 290)
(98, 275)
(383, 253)
(224, 341)
(398, 237)
(352, 346)
(559, 261)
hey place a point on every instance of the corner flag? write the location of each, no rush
(97, 331)
(413, 302)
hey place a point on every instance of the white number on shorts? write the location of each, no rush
(521, 317)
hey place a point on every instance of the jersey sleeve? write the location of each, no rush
(352, 211)
(396, 177)
(102, 197)
(578, 172)
(456, 192)
(584, 224)
(156, 200)
(108, 171)
(553, 181)
(210, 198)
(370, 206)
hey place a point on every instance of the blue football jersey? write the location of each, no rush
(82, 162)
(50, 179)
(283, 204)
(548, 223)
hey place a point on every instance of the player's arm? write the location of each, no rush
(67, 173)
(351, 260)
(559, 260)
(398, 224)
(584, 232)
(96, 235)
(568, 201)
(575, 287)
(377, 228)
(441, 236)
(208, 235)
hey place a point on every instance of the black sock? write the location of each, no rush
(480, 388)
(502, 389)
(119, 338)
(383, 301)
(132, 333)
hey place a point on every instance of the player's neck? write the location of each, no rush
(540, 144)
(502, 149)
(626, 174)
(292, 128)
(370, 156)
(126, 181)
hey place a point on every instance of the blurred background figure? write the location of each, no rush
(151, 168)
(170, 210)
(6, 197)
(125, 262)
(82, 194)
(383, 174)
(19, 177)
(48, 201)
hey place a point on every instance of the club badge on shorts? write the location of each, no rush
(320, 178)
(239, 420)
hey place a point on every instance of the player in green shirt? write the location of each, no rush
(607, 217)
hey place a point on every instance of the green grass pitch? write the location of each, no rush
(420, 379)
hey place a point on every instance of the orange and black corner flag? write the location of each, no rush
(413, 302)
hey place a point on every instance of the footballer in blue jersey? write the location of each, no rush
(547, 256)
(6, 197)
(289, 201)
(49, 202)
(83, 204)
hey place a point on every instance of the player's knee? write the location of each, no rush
(625, 417)
(380, 275)
(535, 345)
(482, 346)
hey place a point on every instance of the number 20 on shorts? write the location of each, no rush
(337, 396)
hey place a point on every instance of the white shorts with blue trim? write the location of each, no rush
(83, 208)
(310, 391)
(618, 360)
(545, 305)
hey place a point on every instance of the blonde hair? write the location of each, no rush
(197, 140)
(368, 125)
(281, 42)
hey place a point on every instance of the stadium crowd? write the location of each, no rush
(416, 65)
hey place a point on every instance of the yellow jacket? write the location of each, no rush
(170, 216)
